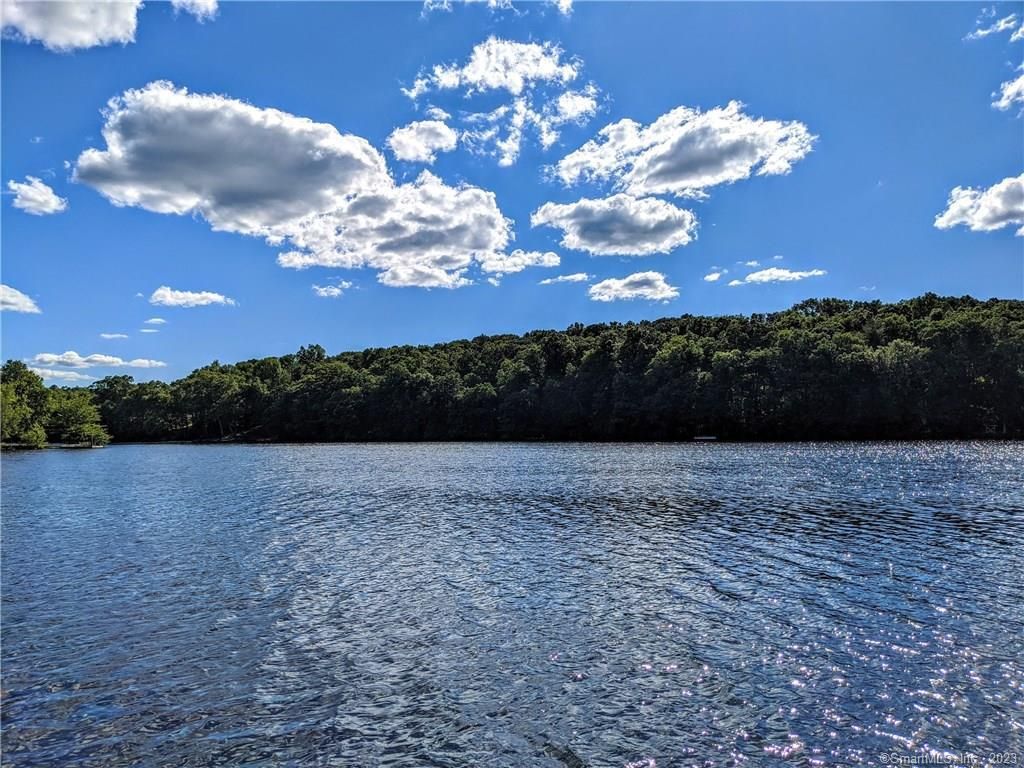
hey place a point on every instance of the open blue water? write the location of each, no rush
(512, 605)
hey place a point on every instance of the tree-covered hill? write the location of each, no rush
(927, 367)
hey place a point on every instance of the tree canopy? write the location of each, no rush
(929, 367)
(31, 414)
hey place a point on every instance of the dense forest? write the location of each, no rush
(929, 367)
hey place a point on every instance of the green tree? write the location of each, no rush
(74, 418)
(23, 407)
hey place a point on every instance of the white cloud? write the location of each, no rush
(518, 260)
(155, 321)
(148, 330)
(501, 131)
(332, 291)
(1002, 25)
(327, 197)
(497, 64)
(168, 297)
(712, 277)
(751, 263)
(436, 113)
(72, 359)
(243, 169)
(619, 225)
(686, 151)
(13, 300)
(446, 5)
(536, 77)
(425, 233)
(64, 25)
(777, 275)
(564, 6)
(576, 106)
(49, 374)
(1018, 35)
(419, 142)
(576, 277)
(113, 335)
(35, 197)
(1011, 92)
(203, 10)
(778, 257)
(985, 210)
(639, 285)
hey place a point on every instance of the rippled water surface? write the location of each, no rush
(512, 605)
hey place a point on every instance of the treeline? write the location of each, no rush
(929, 367)
(32, 415)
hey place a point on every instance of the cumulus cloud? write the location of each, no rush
(50, 374)
(777, 275)
(564, 6)
(639, 285)
(537, 78)
(685, 152)
(713, 277)
(576, 106)
(619, 225)
(35, 197)
(203, 10)
(155, 321)
(64, 25)
(166, 296)
(420, 141)
(332, 291)
(13, 300)
(985, 210)
(113, 335)
(575, 277)
(243, 169)
(425, 233)
(72, 359)
(327, 197)
(67, 25)
(499, 64)
(1011, 92)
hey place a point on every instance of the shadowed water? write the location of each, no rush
(512, 605)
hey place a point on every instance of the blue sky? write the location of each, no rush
(879, 113)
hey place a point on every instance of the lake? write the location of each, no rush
(512, 605)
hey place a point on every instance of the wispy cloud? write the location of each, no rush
(575, 277)
(778, 275)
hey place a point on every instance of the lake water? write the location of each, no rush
(512, 605)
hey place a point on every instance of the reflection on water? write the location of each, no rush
(507, 605)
